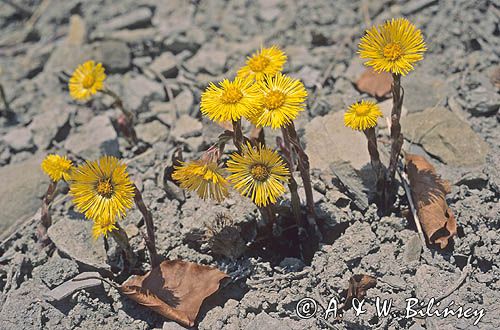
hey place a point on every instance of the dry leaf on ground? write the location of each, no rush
(175, 289)
(375, 84)
(429, 195)
(358, 285)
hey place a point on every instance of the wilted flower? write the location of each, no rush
(362, 115)
(86, 80)
(393, 46)
(258, 173)
(267, 61)
(57, 167)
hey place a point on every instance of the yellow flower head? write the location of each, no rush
(103, 227)
(362, 115)
(258, 173)
(267, 61)
(204, 177)
(231, 100)
(102, 189)
(393, 46)
(86, 80)
(57, 167)
(282, 99)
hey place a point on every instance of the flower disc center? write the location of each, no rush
(258, 63)
(105, 188)
(362, 110)
(231, 95)
(88, 81)
(260, 172)
(392, 51)
(274, 100)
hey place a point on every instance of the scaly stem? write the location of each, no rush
(45, 218)
(150, 229)
(129, 131)
(4, 100)
(375, 161)
(396, 138)
(238, 135)
(121, 238)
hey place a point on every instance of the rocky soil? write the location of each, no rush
(451, 116)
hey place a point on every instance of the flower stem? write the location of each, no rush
(375, 161)
(45, 218)
(5, 102)
(128, 129)
(396, 139)
(238, 135)
(121, 238)
(150, 229)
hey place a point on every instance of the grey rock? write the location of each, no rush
(166, 64)
(56, 271)
(73, 237)
(412, 249)
(483, 101)
(473, 180)
(186, 127)
(309, 76)
(137, 18)
(114, 55)
(152, 132)
(49, 122)
(97, 137)
(386, 108)
(23, 184)
(138, 91)
(427, 90)
(208, 59)
(265, 321)
(443, 135)
(19, 139)
(182, 103)
(128, 36)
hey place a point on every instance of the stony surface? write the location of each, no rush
(160, 56)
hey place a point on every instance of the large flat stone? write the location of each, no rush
(443, 135)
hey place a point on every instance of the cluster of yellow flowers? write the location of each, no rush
(101, 189)
(264, 96)
(391, 47)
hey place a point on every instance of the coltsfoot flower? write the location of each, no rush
(258, 173)
(362, 115)
(57, 167)
(267, 61)
(86, 80)
(393, 46)
(102, 190)
(103, 227)
(282, 99)
(204, 177)
(231, 100)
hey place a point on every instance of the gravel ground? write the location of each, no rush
(451, 115)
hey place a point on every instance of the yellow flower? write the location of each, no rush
(86, 80)
(258, 173)
(231, 100)
(282, 99)
(393, 46)
(362, 115)
(204, 177)
(57, 167)
(102, 189)
(267, 61)
(103, 227)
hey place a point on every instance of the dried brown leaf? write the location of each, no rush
(429, 195)
(375, 84)
(358, 285)
(175, 289)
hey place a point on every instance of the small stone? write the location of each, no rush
(139, 91)
(152, 132)
(166, 64)
(173, 191)
(114, 55)
(128, 36)
(131, 230)
(19, 139)
(412, 249)
(208, 59)
(182, 103)
(138, 18)
(48, 124)
(473, 180)
(309, 76)
(73, 237)
(427, 91)
(97, 137)
(56, 271)
(186, 127)
(386, 108)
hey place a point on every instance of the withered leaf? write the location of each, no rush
(373, 83)
(175, 289)
(358, 285)
(429, 196)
